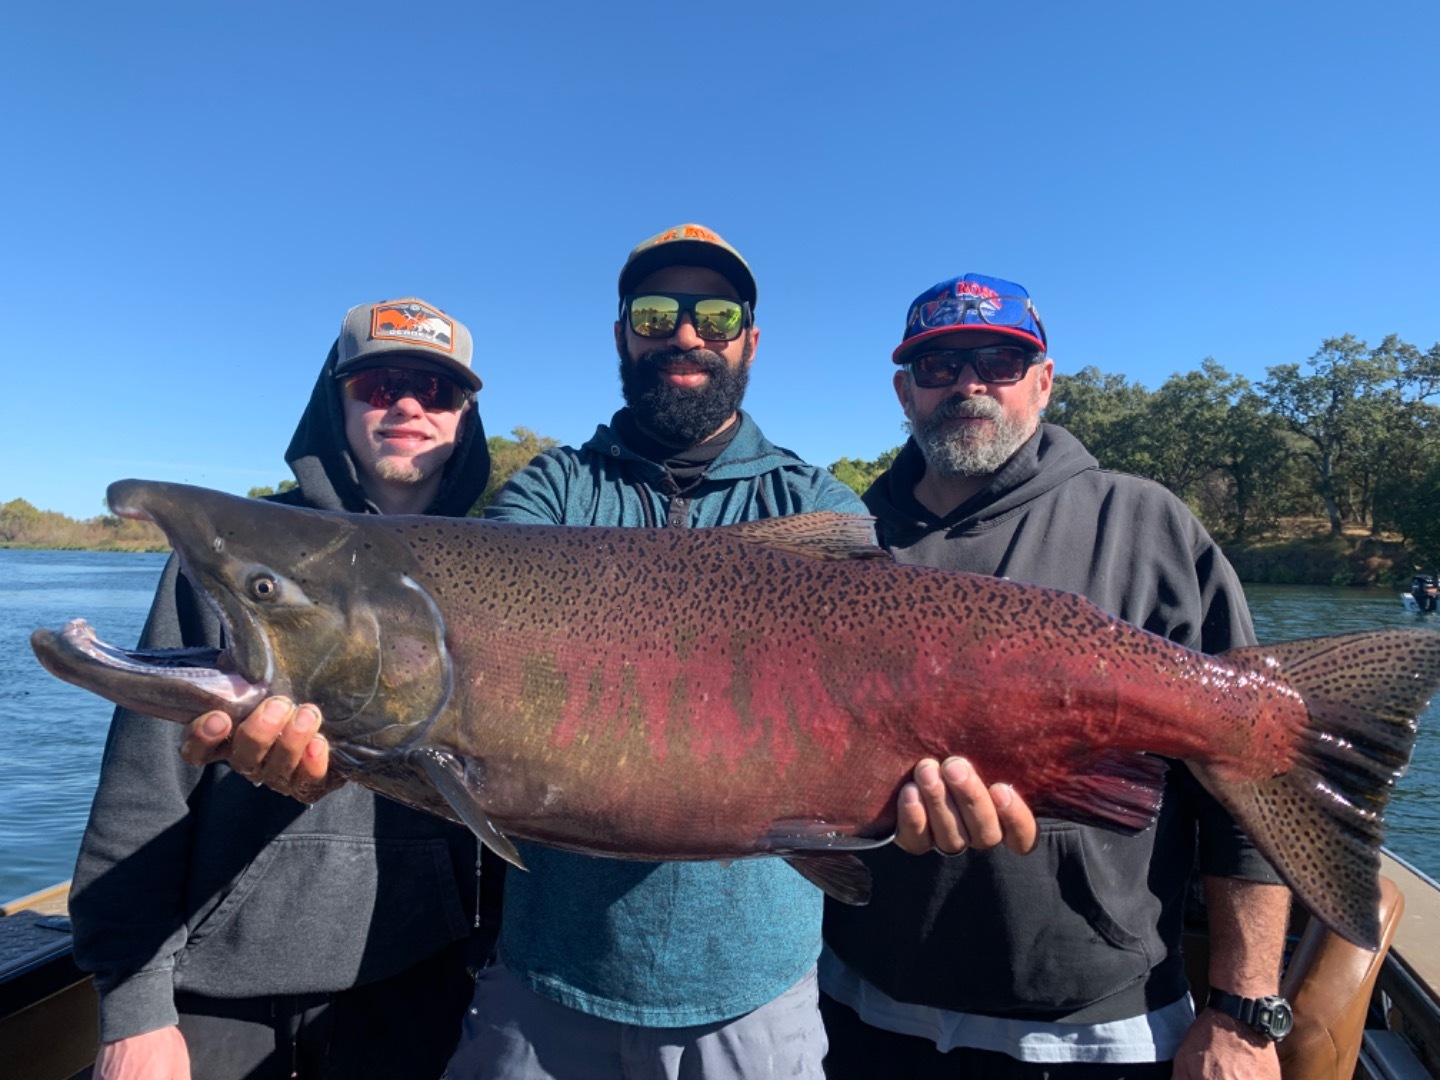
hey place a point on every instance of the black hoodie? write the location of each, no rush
(195, 880)
(1086, 928)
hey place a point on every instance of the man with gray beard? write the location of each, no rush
(1067, 963)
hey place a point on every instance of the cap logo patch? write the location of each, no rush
(689, 232)
(414, 323)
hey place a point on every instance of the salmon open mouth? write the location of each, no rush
(202, 678)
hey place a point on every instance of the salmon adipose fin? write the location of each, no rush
(822, 534)
(1120, 790)
(447, 773)
(1320, 823)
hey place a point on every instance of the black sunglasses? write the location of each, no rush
(380, 388)
(995, 364)
(715, 318)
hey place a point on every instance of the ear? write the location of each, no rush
(619, 339)
(1044, 380)
(902, 390)
(754, 344)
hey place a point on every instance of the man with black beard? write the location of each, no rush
(610, 968)
(1065, 964)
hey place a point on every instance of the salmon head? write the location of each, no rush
(299, 594)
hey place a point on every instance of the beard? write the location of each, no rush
(682, 415)
(400, 470)
(971, 450)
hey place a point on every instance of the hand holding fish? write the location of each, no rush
(278, 745)
(948, 808)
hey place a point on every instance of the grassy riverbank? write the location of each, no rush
(1302, 552)
(24, 526)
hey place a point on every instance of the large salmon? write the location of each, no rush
(758, 689)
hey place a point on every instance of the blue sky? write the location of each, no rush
(197, 193)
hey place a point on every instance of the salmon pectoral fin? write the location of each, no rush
(841, 877)
(451, 777)
(1320, 823)
(1119, 790)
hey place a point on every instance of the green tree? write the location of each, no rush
(1181, 434)
(509, 456)
(858, 474)
(1407, 496)
(18, 520)
(1257, 467)
(261, 492)
(1105, 413)
(1335, 418)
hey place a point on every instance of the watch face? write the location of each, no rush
(1275, 1018)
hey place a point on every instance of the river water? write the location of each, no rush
(52, 734)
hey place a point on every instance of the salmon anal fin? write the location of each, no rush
(821, 534)
(1118, 790)
(451, 777)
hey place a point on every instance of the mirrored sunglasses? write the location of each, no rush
(380, 388)
(715, 318)
(995, 364)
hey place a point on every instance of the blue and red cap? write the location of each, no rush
(966, 307)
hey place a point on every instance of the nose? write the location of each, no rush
(968, 382)
(407, 405)
(685, 336)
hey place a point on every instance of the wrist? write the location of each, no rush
(1267, 1018)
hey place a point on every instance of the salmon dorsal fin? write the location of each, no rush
(821, 534)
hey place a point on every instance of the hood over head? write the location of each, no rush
(319, 456)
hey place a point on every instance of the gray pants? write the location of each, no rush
(512, 1033)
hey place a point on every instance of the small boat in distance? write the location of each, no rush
(1424, 594)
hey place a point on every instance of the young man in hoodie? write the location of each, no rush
(1064, 964)
(610, 968)
(232, 931)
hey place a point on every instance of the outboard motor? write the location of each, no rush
(1424, 588)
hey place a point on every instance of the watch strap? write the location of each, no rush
(1270, 1016)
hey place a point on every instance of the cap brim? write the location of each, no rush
(969, 337)
(690, 253)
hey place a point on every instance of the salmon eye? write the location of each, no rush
(264, 587)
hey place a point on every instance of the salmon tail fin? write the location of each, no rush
(1321, 823)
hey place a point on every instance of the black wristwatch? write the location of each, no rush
(1270, 1016)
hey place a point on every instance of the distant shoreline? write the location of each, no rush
(110, 549)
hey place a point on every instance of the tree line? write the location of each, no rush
(1352, 435)
(24, 525)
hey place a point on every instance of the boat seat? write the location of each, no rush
(1329, 982)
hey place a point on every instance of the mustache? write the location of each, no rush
(956, 408)
(655, 361)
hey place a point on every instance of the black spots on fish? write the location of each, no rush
(1321, 822)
